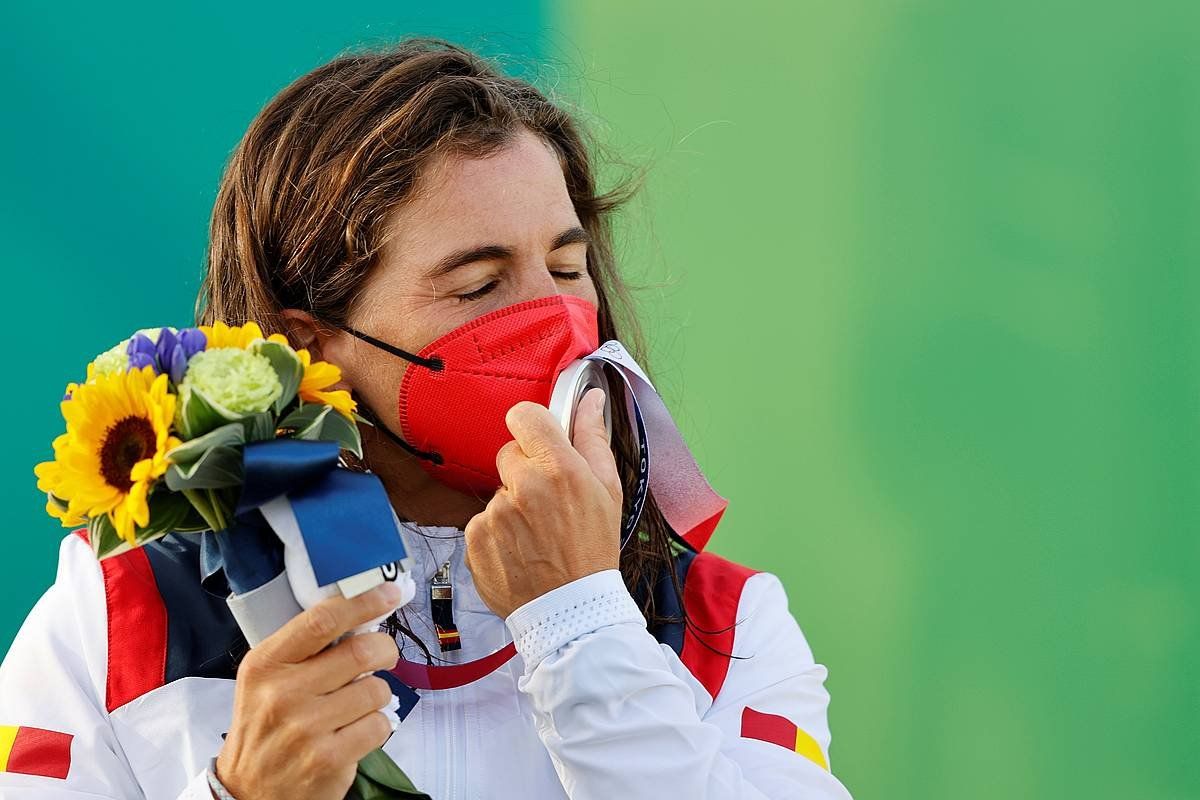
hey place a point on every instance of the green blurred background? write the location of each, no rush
(920, 280)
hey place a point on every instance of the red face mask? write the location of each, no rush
(456, 392)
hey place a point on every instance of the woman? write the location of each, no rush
(377, 205)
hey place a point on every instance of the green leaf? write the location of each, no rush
(341, 430)
(312, 431)
(217, 468)
(206, 504)
(198, 414)
(103, 536)
(193, 523)
(302, 418)
(379, 778)
(317, 422)
(168, 512)
(259, 427)
(189, 452)
(287, 366)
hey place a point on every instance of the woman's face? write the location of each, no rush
(478, 235)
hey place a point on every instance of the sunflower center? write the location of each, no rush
(126, 443)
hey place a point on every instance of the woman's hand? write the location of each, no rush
(302, 718)
(558, 515)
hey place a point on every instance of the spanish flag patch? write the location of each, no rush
(34, 751)
(783, 732)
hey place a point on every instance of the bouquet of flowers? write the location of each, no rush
(154, 434)
(198, 430)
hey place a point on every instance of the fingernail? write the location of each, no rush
(390, 591)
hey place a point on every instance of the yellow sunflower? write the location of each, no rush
(319, 376)
(118, 435)
(50, 476)
(239, 336)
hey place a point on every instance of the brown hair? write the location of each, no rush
(299, 216)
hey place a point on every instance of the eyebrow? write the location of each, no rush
(496, 252)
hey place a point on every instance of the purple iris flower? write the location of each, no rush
(170, 354)
(164, 348)
(189, 342)
(141, 352)
(193, 341)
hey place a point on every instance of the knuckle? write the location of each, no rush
(377, 690)
(391, 650)
(272, 700)
(250, 668)
(320, 760)
(292, 731)
(383, 649)
(520, 505)
(557, 475)
(381, 729)
(320, 622)
(507, 451)
(361, 651)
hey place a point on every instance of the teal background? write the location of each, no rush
(118, 123)
(920, 280)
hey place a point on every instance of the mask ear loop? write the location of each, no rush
(434, 363)
(373, 418)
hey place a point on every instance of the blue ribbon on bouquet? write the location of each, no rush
(345, 519)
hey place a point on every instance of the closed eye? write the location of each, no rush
(478, 293)
(487, 288)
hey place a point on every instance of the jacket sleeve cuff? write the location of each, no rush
(546, 623)
(197, 788)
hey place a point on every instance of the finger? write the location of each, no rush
(311, 631)
(538, 432)
(360, 737)
(354, 655)
(508, 460)
(356, 699)
(591, 440)
(478, 530)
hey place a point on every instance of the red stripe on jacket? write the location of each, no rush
(768, 728)
(37, 751)
(137, 627)
(712, 591)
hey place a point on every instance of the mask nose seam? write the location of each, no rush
(485, 357)
(500, 376)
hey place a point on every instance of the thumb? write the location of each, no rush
(590, 439)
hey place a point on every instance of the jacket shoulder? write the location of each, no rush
(712, 595)
(161, 624)
(705, 610)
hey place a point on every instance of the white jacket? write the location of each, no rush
(593, 706)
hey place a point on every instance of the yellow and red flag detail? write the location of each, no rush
(783, 732)
(448, 639)
(34, 751)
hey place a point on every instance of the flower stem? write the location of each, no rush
(218, 509)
